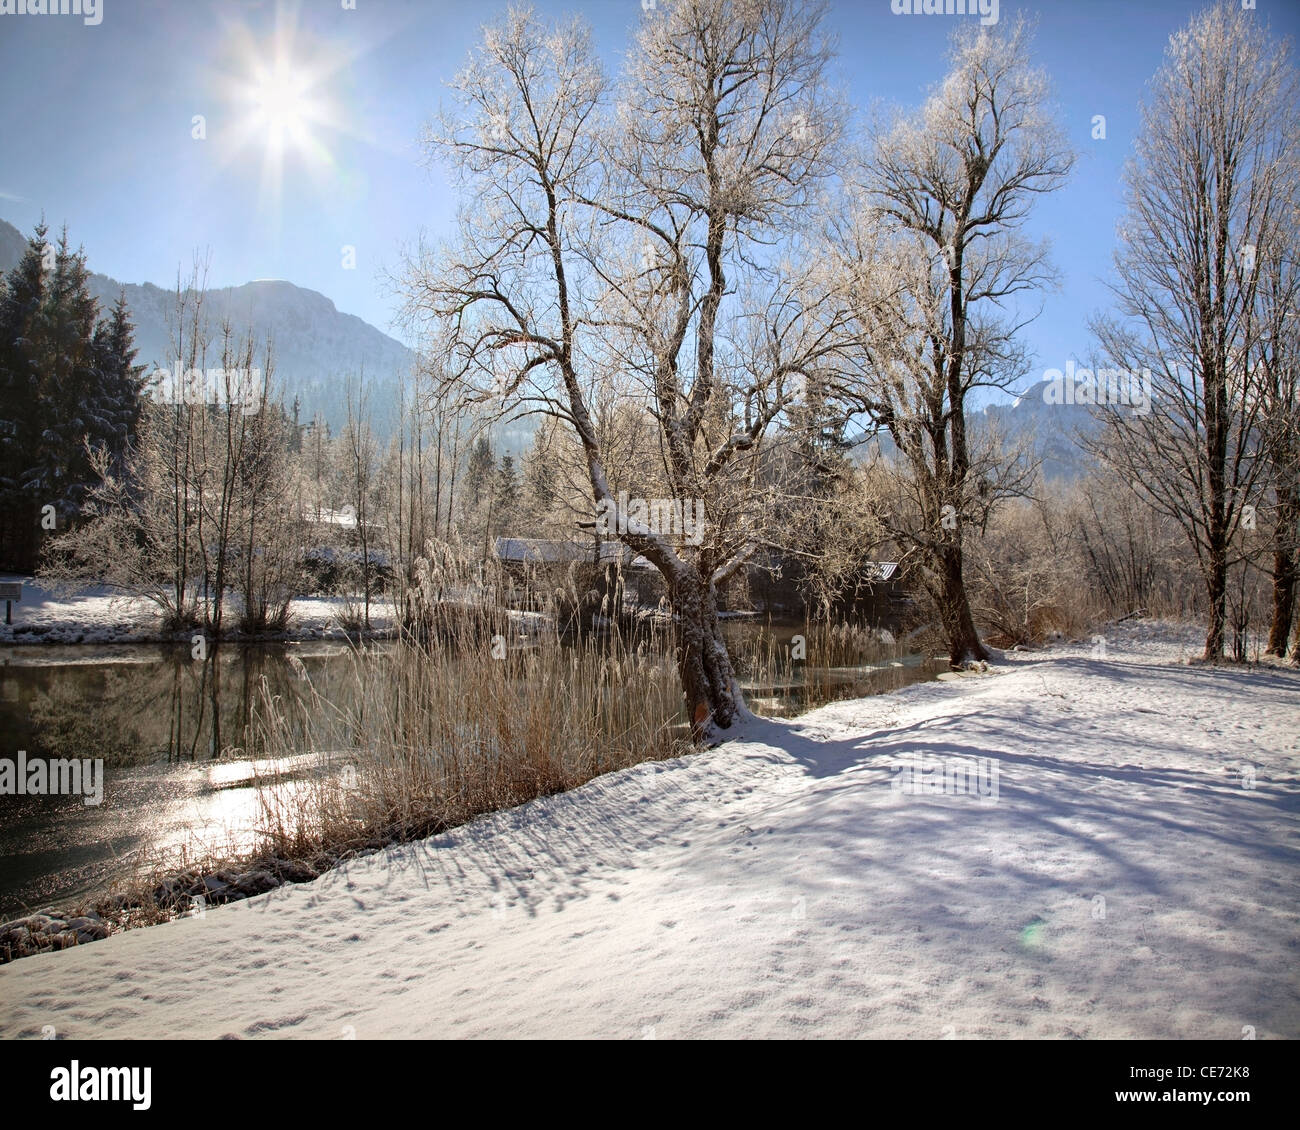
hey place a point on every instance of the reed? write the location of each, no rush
(477, 710)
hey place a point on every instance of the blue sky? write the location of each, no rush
(99, 123)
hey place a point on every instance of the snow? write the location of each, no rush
(1126, 882)
(97, 614)
(100, 614)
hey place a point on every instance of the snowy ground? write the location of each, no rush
(98, 614)
(1128, 881)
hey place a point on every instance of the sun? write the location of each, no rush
(280, 96)
(282, 106)
(288, 105)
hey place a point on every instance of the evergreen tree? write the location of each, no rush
(68, 385)
(539, 473)
(505, 495)
(22, 296)
(118, 382)
(72, 411)
(295, 437)
(21, 304)
(479, 472)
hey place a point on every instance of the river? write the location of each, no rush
(179, 762)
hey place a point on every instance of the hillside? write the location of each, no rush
(317, 346)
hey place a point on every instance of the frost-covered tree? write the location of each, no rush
(1208, 203)
(936, 261)
(70, 388)
(642, 244)
(199, 506)
(22, 298)
(1278, 361)
(540, 480)
(505, 496)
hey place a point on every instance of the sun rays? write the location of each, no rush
(282, 109)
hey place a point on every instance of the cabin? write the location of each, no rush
(769, 584)
(535, 566)
(772, 585)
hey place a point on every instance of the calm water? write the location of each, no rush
(178, 741)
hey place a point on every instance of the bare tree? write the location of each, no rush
(269, 512)
(1278, 359)
(1206, 206)
(643, 250)
(145, 528)
(201, 505)
(933, 255)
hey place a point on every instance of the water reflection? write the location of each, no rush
(135, 706)
(180, 740)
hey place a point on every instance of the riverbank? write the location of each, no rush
(1135, 875)
(97, 614)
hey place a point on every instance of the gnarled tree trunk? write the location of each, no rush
(713, 699)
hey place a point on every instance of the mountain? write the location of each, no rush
(1052, 429)
(12, 245)
(316, 346)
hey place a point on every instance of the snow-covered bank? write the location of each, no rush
(99, 614)
(1135, 876)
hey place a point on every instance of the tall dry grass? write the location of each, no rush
(478, 711)
(474, 708)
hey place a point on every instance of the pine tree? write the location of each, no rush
(72, 412)
(505, 495)
(479, 472)
(68, 385)
(22, 297)
(118, 382)
(539, 473)
(21, 307)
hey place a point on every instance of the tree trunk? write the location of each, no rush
(713, 699)
(964, 644)
(20, 533)
(1284, 574)
(1216, 584)
(1214, 510)
(1284, 578)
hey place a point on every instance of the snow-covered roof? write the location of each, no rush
(540, 550)
(345, 516)
(544, 551)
